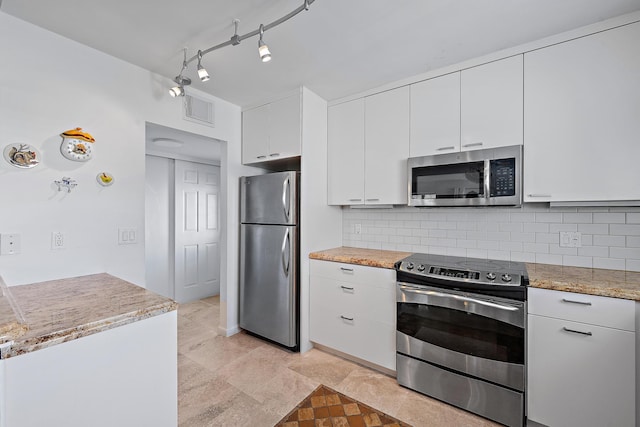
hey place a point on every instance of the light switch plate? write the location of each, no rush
(10, 244)
(127, 236)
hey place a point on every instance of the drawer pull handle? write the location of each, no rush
(451, 147)
(346, 269)
(355, 200)
(346, 288)
(350, 319)
(576, 302)
(576, 332)
(539, 195)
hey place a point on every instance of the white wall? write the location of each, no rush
(531, 233)
(49, 84)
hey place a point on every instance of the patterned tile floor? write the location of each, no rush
(242, 381)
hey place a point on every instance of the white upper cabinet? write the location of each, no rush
(346, 153)
(491, 110)
(368, 141)
(480, 107)
(272, 131)
(435, 116)
(582, 119)
(386, 133)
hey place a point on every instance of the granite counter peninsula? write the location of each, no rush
(91, 350)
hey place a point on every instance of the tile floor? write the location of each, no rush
(243, 381)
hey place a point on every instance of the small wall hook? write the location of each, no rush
(67, 183)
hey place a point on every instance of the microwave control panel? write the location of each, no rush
(503, 177)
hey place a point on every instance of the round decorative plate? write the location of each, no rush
(75, 149)
(105, 179)
(22, 156)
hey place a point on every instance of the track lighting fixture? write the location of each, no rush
(202, 73)
(180, 79)
(263, 49)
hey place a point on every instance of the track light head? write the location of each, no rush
(179, 89)
(176, 91)
(202, 73)
(263, 49)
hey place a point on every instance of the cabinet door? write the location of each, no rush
(580, 380)
(387, 147)
(435, 116)
(491, 110)
(255, 134)
(346, 153)
(285, 132)
(582, 104)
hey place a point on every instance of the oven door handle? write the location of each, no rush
(430, 292)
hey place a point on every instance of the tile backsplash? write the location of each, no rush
(610, 236)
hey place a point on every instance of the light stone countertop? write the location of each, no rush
(367, 257)
(62, 310)
(591, 281)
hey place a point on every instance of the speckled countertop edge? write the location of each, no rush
(360, 256)
(591, 281)
(64, 310)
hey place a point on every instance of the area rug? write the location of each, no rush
(325, 407)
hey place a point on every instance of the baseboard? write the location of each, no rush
(227, 332)
(357, 360)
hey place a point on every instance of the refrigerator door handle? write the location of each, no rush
(284, 252)
(285, 200)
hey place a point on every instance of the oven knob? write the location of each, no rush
(491, 276)
(420, 267)
(506, 277)
(410, 266)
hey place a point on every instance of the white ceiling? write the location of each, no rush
(337, 48)
(175, 143)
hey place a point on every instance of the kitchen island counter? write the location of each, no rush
(62, 310)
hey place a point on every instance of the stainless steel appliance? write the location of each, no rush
(461, 333)
(489, 177)
(269, 257)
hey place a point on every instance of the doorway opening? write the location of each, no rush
(183, 203)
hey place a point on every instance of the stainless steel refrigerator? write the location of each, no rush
(269, 257)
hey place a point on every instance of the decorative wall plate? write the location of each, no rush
(76, 145)
(105, 179)
(21, 155)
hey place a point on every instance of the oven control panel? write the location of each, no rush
(487, 275)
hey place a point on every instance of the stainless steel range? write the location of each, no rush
(461, 333)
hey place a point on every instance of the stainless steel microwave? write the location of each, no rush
(488, 177)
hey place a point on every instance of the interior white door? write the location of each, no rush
(197, 231)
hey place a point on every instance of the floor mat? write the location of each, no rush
(325, 407)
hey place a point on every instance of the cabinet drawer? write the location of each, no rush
(591, 309)
(373, 303)
(352, 273)
(372, 341)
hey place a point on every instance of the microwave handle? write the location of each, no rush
(487, 178)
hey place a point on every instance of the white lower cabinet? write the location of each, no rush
(581, 360)
(352, 310)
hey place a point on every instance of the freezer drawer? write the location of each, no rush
(269, 199)
(268, 282)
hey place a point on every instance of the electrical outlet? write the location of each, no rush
(10, 244)
(58, 240)
(570, 239)
(358, 228)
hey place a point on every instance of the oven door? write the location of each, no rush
(477, 335)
